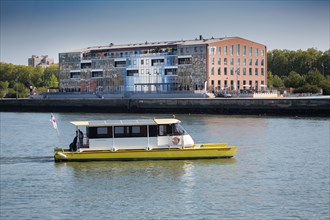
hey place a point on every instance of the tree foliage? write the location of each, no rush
(22, 77)
(306, 71)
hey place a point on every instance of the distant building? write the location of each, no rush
(43, 61)
(230, 63)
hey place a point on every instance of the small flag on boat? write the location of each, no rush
(53, 120)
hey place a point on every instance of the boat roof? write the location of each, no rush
(127, 122)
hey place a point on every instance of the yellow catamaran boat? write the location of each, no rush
(143, 139)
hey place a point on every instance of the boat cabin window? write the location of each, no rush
(173, 129)
(153, 131)
(163, 130)
(130, 131)
(177, 129)
(99, 132)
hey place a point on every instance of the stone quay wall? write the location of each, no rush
(280, 106)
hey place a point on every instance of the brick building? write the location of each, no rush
(233, 63)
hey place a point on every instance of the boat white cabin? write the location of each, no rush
(138, 134)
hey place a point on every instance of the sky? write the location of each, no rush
(50, 27)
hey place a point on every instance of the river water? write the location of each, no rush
(280, 171)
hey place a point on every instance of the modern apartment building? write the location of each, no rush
(233, 63)
(43, 61)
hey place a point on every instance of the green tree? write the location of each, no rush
(323, 63)
(277, 82)
(38, 77)
(52, 82)
(314, 77)
(270, 79)
(325, 85)
(19, 90)
(51, 76)
(294, 80)
(3, 88)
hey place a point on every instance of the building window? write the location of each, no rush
(262, 71)
(256, 52)
(225, 62)
(157, 62)
(120, 63)
(97, 73)
(238, 62)
(132, 72)
(225, 50)
(75, 75)
(244, 71)
(181, 50)
(142, 71)
(212, 71)
(212, 83)
(238, 49)
(212, 49)
(219, 71)
(232, 61)
(262, 53)
(219, 61)
(256, 71)
(232, 71)
(212, 61)
(225, 70)
(256, 63)
(187, 50)
(142, 62)
(244, 62)
(250, 61)
(250, 71)
(219, 84)
(219, 50)
(170, 72)
(195, 49)
(147, 61)
(184, 60)
(262, 62)
(244, 50)
(86, 65)
(250, 51)
(238, 71)
(231, 50)
(226, 84)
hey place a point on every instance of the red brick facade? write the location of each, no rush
(236, 64)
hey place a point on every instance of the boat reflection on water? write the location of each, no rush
(169, 168)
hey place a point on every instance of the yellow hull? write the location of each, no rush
(198, 151)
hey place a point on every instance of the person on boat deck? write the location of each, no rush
(74, 145)
(81, 138)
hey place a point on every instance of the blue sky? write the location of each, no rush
(40, 27)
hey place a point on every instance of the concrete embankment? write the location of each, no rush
(283, 106)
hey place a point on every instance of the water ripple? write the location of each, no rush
(34, 159)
